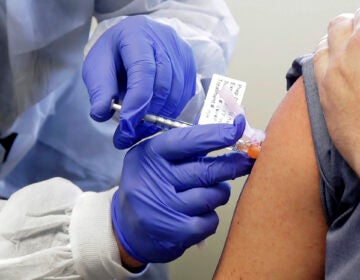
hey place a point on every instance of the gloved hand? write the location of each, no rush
(169, 190)
(147, 66)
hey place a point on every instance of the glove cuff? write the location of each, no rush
(92, 240)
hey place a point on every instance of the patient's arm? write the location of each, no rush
(278, 229)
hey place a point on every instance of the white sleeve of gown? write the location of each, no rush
(53, 230)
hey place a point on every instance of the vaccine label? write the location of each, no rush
(214, 109)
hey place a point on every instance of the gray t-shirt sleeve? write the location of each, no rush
(339, 184)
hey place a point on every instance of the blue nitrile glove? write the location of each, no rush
(169, 190)
(146, 65)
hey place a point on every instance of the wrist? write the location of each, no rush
(128, 261)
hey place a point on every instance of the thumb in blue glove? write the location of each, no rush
(169, 190)
(146, 65)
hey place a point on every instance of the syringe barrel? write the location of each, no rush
(158, 120)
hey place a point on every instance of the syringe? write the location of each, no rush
(164, 123)
(244, 145)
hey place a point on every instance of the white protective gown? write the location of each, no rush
(44, 101)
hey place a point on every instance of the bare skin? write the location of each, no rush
(128, 261)
(337, 73)
(278, 229)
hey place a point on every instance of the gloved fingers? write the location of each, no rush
(163, 81)
(143, 130)
(202, 200)
(183, 85)
(200, 227)
(100, 77)
(211, 170)
(139, 63)
(126, 134)
(179, 144)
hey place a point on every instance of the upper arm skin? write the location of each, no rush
(278, 230)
